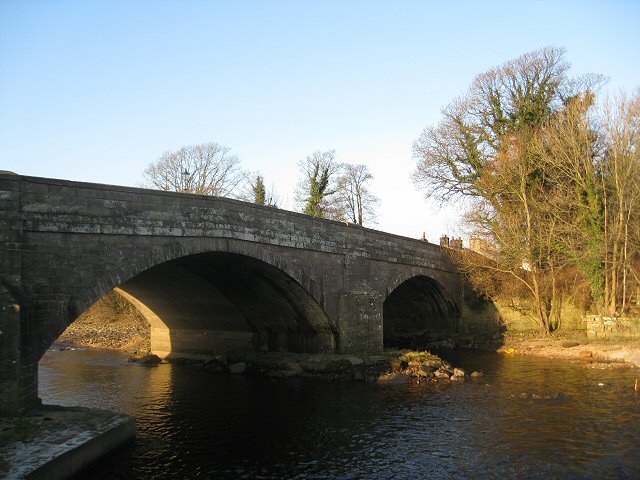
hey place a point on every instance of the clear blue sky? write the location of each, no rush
(96, 90)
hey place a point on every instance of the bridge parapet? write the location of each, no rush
(62, 206)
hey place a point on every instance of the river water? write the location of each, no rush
(195, 424)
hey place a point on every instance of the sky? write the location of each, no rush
(97, 90)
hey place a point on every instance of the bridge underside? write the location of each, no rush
(212, 303)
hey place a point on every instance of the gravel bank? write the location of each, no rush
(599, 354)
(112, 322)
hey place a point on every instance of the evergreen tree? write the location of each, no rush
(259, 192)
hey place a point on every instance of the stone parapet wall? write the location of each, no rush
(61, 206)
(612, 328)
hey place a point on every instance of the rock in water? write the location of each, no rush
(150, 359)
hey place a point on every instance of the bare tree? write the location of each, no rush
(206, 169)
(567, 150)
(356, 201)
(501, 106)
(621, 172)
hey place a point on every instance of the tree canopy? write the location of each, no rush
(206, 169)
(542, 179)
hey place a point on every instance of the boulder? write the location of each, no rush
(355, 360)
(339, 367)
(426, 371)
(237, 368)
(374, 367)
(289, 366)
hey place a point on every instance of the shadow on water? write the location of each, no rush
(194, 424)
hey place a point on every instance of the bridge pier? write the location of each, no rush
(360, 324)
(18, 372)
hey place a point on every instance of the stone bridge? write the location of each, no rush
(209, 274)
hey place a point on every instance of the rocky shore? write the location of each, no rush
(386, 367)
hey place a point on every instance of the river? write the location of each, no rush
(194, 424)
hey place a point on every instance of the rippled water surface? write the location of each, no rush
(195, 424)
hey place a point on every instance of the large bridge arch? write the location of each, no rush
(207, 297)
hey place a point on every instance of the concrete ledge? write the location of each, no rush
(65, 441)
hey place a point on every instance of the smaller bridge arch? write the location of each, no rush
(418, 310)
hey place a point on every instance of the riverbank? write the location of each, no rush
(575, 349)
(58, 442)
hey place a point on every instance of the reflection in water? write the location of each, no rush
(193, 424)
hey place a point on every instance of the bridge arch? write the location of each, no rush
(209, 296)
(418, 309)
